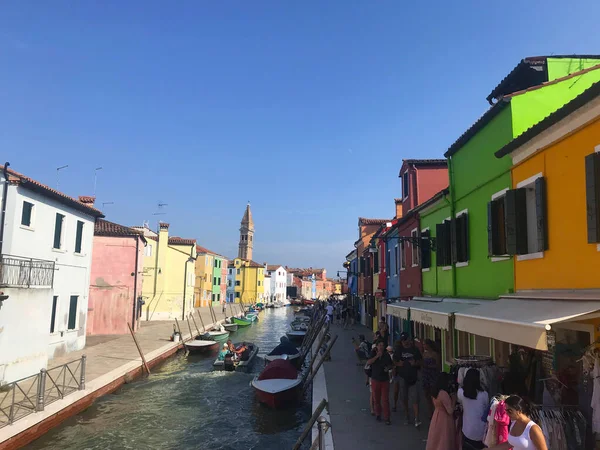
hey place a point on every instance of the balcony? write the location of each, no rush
(19, 272)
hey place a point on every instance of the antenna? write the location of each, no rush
(96, 178)
(160, 211)
(107, 203)
(58, 169)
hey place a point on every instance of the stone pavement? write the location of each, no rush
(352, 425)
(106, 353)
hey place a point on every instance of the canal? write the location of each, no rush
(185, 405)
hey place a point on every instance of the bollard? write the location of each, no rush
(41, 392)
(82, 373)
(322, 424)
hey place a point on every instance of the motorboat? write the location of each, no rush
(216, 335)
(241, 322)
(231, 327)
(294, 359)
(296, 335)
(239, 366)
(201, 345)
(299, 325)
(252, 317)
(278, 385)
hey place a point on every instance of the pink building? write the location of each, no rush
(116, 279)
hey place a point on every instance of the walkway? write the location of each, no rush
(353, 426)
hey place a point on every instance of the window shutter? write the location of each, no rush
(541, 214)
(491, 226)
(425, 250)
(463, 237)
(453, 240)
(448, 243)
(515, 217)
(592, 192)
(376, 262)
(439, 232)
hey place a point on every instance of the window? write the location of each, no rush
(375, 262)
(213, 297)
(229, 283)
(461, 228)
(463, 343)
(496, 226)
(592, 193)
(425, 249)
(237, 295)
(53, 314)
(482, 345)
(58, 229)
(250, 238)
(218, 297)
(396, 258)
(148, 250)
(259, 283)
(237, 283)
(238, 271)
(27, 214)
(215, 263)
(78, 236)
(501, 353)
(402, 255)
(405, 185)
(214, 281)
(72, 312)
(414, 234)
(387, 262)
(443, 244)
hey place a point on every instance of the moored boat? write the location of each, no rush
(239, 366)
(241, 322)
(201, 346)
(294, 359)
(251, 317)
(296, 335)
(231, 327)
(218, 335)
(278, 385)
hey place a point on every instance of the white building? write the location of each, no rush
(45, 258)
(230, 282)
(279, 282)
(266, 296)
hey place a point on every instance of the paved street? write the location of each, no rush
(352, 424)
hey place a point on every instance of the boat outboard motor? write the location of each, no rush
(228, 364)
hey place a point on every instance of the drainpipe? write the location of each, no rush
(4, 195)
(135, 278)
(452, 213)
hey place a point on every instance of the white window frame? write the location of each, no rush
(148, 250)
(413, 247)
(495, 196)
(457, 215)
(427, 269)
(523, 184)
(31, 226)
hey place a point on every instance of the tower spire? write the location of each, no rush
(246, 244)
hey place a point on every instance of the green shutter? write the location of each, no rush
(79, 237)
(72, 312)
(515, 216)
(439, 233)
(58, 223)
(541, 214)
(491, 228)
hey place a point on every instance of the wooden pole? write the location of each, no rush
(202, 322)
(181, 334)
(231, 310)
(310, 424)
(192, 314)
(145, 364)
(310, 374)
(303, 356)
(213, 315)
(190, 327)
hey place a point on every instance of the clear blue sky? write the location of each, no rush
(318, 101)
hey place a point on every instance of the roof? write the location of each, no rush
(530, 70)
(499, 106)
(432, 200)
(254, 264)
(105, 228)
(273, 267)
(585, 97)
(175, 240)
(29, 183)
(364, 221)
(200, 249)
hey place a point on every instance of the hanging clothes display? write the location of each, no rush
(596, 396)
(488, 372)
(563, 426)
(497, 422)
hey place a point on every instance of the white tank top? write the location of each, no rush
(522, 442)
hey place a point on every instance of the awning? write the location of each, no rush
(521, 322)
(398, 309)
(436, 313)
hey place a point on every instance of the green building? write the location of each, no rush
(219, 279)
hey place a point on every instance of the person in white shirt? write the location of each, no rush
(524, 433)
(330, 312)
(475, 402)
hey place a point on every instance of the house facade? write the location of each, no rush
(45, 254)
(279, 282)
(249, 281)
(115, 298)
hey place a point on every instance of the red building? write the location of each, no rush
(421, 180)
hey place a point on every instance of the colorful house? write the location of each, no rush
(169, 276)
(249, 281)
(116, 279)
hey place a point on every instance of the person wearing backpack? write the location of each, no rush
(407, 360)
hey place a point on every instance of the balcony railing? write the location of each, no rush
(17, 271)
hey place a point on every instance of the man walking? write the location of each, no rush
(407, 359)
(330, 312)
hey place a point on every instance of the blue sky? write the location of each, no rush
(317, 101)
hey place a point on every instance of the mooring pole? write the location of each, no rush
(145, 364)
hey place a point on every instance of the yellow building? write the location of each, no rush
(168, 275)
(249, 281)
(204, 277)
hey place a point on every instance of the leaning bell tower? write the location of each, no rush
(246, 235)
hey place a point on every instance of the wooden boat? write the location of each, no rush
(201, 346)
(218, 335)
(294, 335)
(260, 306)
(299, 326)
(294, 359)
(251, 317)
(241, 322)
(278, 385)
(231, 327)
(239, 366)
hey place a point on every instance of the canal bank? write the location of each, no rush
(111, 361)
(184, 404)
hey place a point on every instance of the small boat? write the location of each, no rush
(201, 346)
(231, 327)
(241, 322)
(302, 319)
(278, 304)
(309, 302)
(260, 306)
(296, 335)
(239, 366)
(294, 359)
(270, 305)
(217, 335)
(251, 317)
(278, 385)
(299, 326)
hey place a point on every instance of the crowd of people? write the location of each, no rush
(414, 369)
(338, 312)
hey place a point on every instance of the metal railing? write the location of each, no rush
(31, 394)
(17, 271)
(323, 426)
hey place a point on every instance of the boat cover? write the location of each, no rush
(286, 348)
(279, 369)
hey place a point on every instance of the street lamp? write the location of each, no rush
(189, 260)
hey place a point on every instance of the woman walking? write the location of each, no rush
(381, 364)
(475, 402)
(524, 433)
(441, 434)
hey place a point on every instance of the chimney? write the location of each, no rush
(87, 200)
(398, 202)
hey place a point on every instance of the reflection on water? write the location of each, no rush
(185, 405)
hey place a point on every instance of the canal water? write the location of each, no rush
(185, 405)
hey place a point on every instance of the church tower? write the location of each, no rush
(246, 235)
